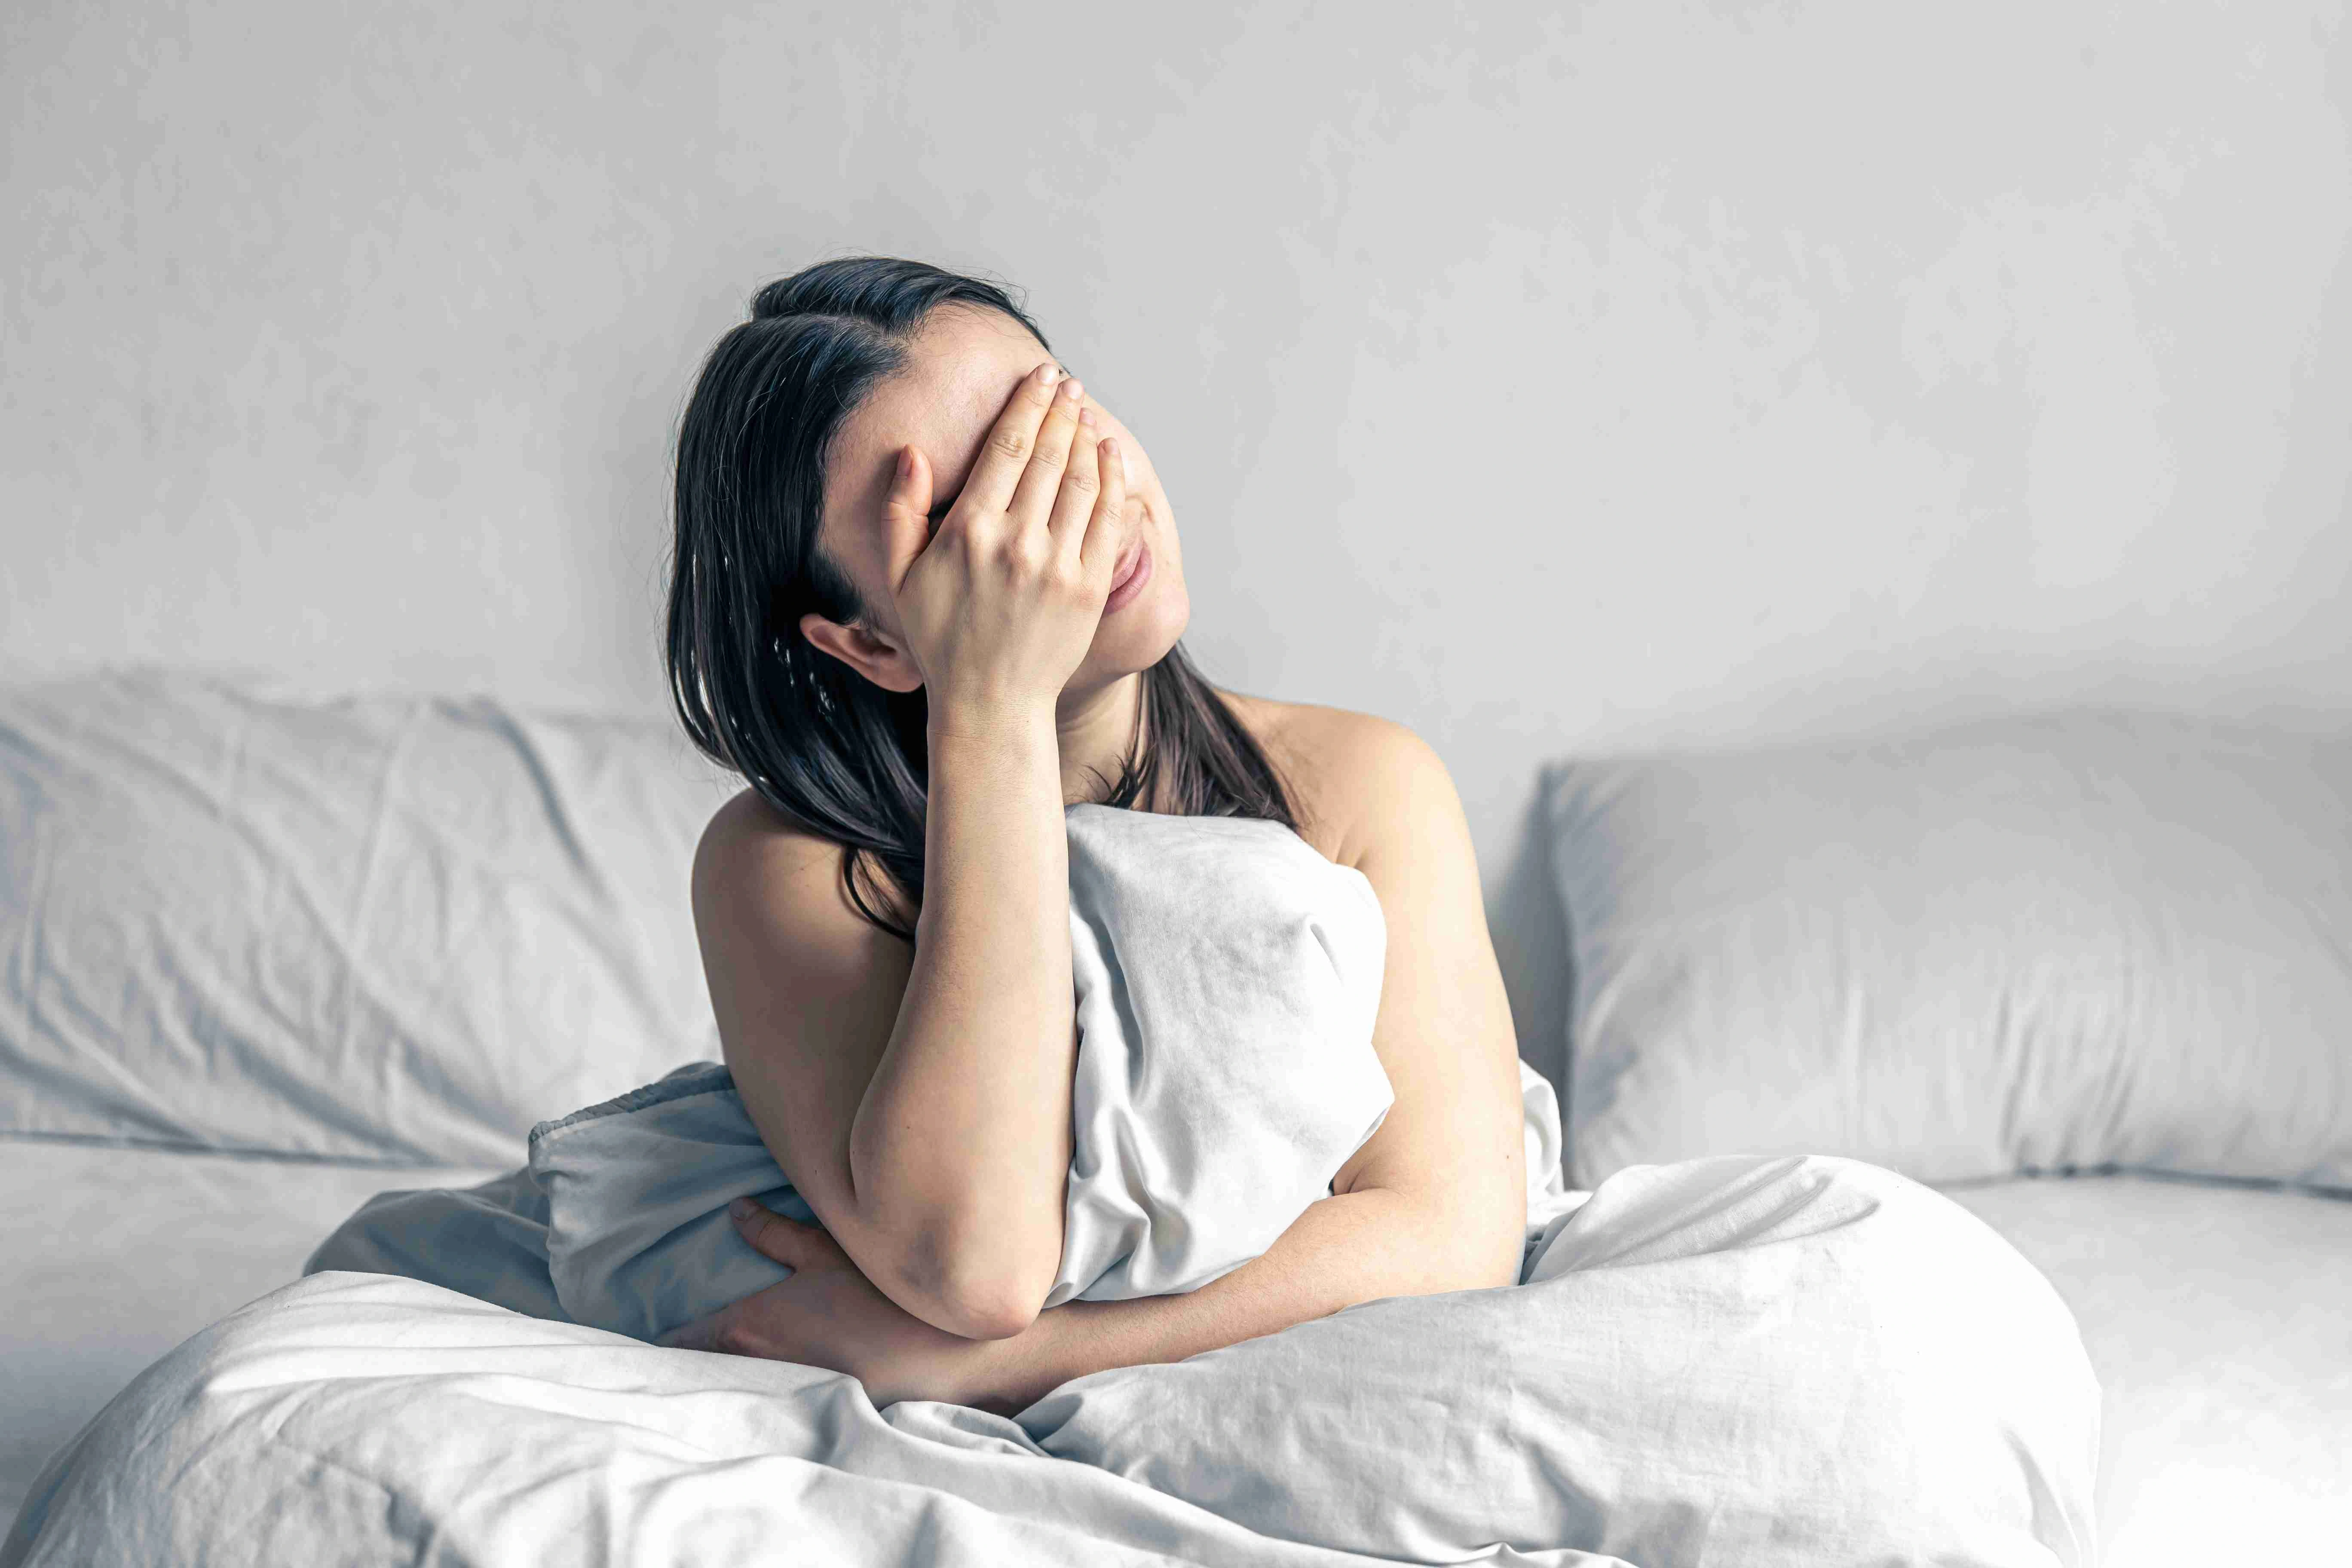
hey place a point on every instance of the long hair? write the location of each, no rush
(822, 744)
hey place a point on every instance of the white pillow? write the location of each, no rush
(2044, 943)
(378, 928)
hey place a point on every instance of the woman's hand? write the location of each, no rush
(829, 1315)
(1002, 604)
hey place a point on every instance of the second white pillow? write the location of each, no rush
(2057, 941)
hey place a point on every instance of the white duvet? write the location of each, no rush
(1733, 1361)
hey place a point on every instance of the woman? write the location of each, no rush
(926, 593)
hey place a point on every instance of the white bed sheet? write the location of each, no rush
(116, 1254)
(2213, 1314)
(1788, 1362)
(2219, 1319)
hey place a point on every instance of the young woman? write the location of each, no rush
(927, 592)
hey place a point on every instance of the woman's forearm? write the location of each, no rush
(1353, 1247)
(961, 1144)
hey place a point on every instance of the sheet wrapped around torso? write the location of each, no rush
(1227, 977)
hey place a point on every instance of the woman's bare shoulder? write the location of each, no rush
(745, 821)
(1350, 773)
(751, 853)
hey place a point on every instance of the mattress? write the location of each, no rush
(2213, 1314)
(115, 1254)
(2216, 1318)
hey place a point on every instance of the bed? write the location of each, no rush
(269, 956)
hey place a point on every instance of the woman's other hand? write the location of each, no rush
(829, 1315)
(1002, 604)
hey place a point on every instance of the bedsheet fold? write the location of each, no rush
(1792, 1362)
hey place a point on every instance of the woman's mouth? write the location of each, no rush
(1129, 581)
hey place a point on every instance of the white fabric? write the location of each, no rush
(1228, 977)
(110, 1257)
(383, 928)
(2044, 943)
(2216, 1317)
(1732, 1362)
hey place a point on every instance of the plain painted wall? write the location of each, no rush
(1546, 379)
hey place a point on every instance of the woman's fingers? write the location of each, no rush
(698, 1335)
(910, 499)
(906, 510)
(773, 1236)
(1041, 482)
(1106, 531)
(1074, 503)
(1004, 457)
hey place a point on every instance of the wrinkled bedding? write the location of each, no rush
(1734, 1361)
(1739, 1360)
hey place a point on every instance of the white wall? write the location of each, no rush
(1588, 378)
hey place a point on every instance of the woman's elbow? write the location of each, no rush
(974, 1298)
(1473, 1243)
(962, 1270)
(989, 1314)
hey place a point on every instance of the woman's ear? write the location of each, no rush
(870, 654)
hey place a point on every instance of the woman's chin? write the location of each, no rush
(1139, 633)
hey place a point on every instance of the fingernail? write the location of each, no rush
(1086, 416)
(741, 1208)
(1046, 374)
(906, 462)
(1072, 390)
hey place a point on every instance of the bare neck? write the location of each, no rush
(1097, 731)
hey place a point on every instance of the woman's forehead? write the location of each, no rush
(960, 370)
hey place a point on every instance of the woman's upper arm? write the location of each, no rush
(806, 994)
(1455, 1138)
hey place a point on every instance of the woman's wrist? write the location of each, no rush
(992, 722)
